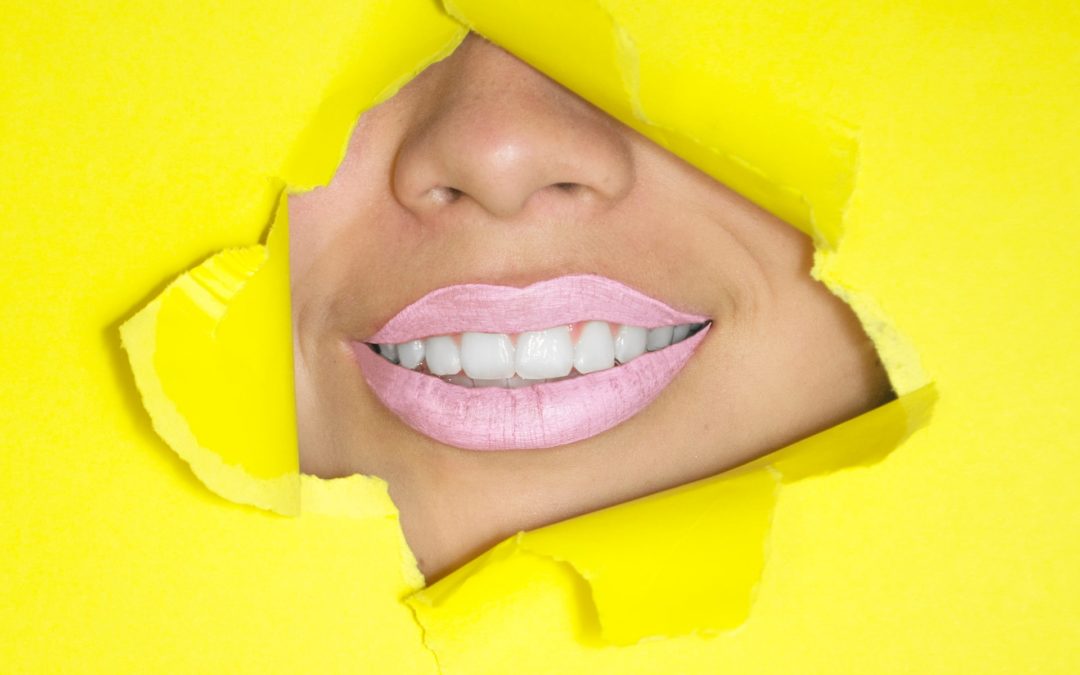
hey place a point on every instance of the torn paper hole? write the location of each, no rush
(412, 344)
(207, 307)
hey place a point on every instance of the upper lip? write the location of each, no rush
(506, 309)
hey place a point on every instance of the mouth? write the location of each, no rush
(484, 367)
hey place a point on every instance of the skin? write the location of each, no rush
(482, 170)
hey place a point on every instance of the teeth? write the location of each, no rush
(389, 352)
(509, 383)
(544, 353)
(659, 338)
(442, 355)
(497, 382)
(492, 360)
(487, 356)
(411, 353)
(595, 349)
(629, 343)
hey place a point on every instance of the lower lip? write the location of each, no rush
(528, 418)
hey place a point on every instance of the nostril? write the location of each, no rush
(445, 194)
(491, 133)
(570, 188)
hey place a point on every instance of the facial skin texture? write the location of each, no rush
(482, 170)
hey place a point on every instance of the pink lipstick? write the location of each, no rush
(629, 347)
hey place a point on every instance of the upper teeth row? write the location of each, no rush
(534, 355)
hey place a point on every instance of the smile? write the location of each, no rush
(533, 357)
(474, 366)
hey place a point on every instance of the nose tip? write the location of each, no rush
(502, 137)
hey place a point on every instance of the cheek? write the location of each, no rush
(365, 269)
(305, 213)
(326, 227)
(335, 228)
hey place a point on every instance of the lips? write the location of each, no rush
(542, 415)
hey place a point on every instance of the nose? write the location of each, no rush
(496, 135)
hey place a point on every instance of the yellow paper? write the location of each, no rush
(927, 147)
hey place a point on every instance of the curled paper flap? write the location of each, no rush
(210, 356)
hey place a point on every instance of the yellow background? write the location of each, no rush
(138, 140)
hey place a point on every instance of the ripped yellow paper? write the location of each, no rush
(207, 356)
(218, 388)
(680, 562)
(926, 147)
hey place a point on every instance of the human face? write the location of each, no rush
(483, 171)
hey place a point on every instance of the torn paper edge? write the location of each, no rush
(897, 352)
(360, 497)
(916, 408)
(138, 338)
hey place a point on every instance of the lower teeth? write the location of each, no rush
(462, 380)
